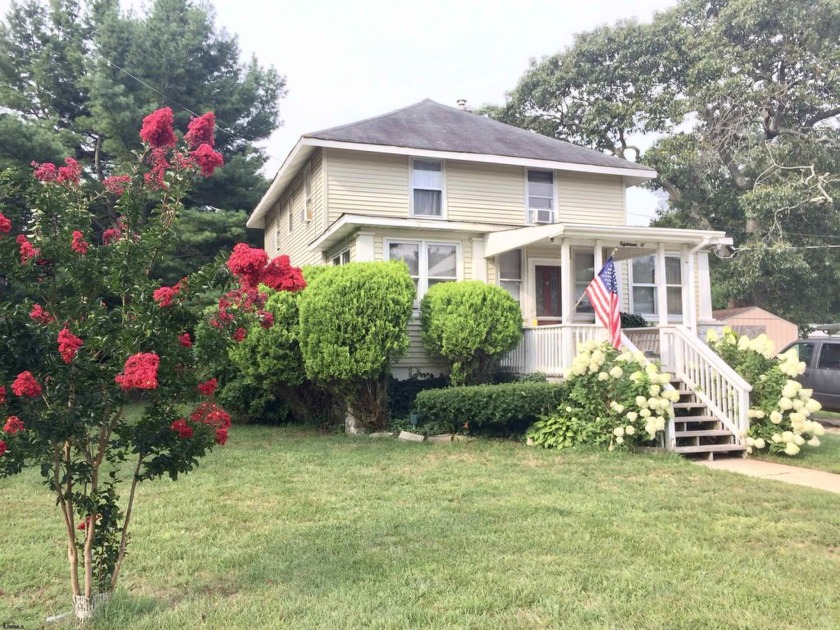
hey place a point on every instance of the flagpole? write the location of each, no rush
(580, 299)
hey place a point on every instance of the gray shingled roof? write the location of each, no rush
(432, 126)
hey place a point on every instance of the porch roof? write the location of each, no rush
(624, 236)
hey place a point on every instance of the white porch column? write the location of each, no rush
(661, 288)
(567, 294)
(364, 247)
(567, 297)
(689, 285)
(479, 264)
(662, 307)
(598, 255)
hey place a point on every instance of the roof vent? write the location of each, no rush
(462, 103)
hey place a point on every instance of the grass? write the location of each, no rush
(285, 529)
(824, 457)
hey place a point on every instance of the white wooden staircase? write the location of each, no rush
(697, 432)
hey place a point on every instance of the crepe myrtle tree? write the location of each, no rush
(100, 335)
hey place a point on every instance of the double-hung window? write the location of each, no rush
(428, 263)
(510, 273)
(540, 197)
(643, 291)
(426, 188)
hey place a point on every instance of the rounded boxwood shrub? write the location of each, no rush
(353, 326)
(470, 325)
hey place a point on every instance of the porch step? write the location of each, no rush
(688, 405)
(696, 419)
(703, 433)
(711, 448)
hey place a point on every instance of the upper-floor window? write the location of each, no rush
(643, 291)
(428, 263)
(540, 197)
(307, 211)
(426, 188)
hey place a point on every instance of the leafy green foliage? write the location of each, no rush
(508, 408)
(469, 324)
(269, 358)
(634, 320)
(744, 96)
(614, 398)
(89, 333)
(68, 86)
(779, 406)
(353, 323)
(402, 393)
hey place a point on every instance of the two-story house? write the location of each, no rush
(459, 196)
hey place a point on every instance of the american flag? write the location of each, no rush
(603, 294)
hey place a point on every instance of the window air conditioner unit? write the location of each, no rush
(543, 216)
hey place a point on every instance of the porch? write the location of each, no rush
(663, 273)
(712, 413)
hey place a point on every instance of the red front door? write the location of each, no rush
(547, 292)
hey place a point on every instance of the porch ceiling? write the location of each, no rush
(623, 236)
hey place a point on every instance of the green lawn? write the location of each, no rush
(286, 529)
(825, 457)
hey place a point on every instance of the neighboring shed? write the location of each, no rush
(752, 321)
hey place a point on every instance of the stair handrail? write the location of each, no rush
(734, 417)
(670, 428)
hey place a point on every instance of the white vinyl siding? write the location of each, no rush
(369, 184)
(489, 193)
(592, 199)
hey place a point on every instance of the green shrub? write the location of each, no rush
(510, 377)
(616, 399)
(497, 409)
(251, 403)
(401, 393)
(353, 326)
(780, 407)
(271, 360)
(470, 325)
(634, 320)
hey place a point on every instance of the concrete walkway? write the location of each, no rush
(778, 472)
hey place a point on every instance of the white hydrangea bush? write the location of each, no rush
(780, 408)
(616, 399)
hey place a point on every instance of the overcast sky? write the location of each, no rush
(345, 61)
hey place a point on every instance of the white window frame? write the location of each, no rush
(306, 212)
(442, 216)
(423, 260)
(530, 219)
(577, 315)
(520, 279)
(632, 284)
(343, 257)
(289, 211)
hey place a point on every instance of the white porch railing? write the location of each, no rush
(722, 389)
(550, 349)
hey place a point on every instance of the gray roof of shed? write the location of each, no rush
(431, 126)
